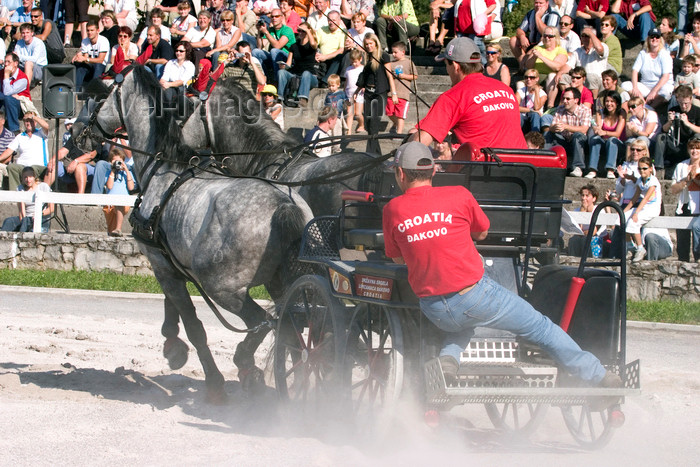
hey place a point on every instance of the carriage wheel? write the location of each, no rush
(374, 359)
(590, 429)
(309, 344)
(517, 418)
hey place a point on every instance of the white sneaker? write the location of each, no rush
(639, 255)
(611, 174)
(577, 172)
(591, 174)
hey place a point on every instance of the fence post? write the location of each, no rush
(38, 210)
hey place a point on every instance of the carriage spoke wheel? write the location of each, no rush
(591, 429)
(516, 418)
(374, 359)
(309, 344)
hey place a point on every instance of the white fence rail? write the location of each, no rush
(661, 222)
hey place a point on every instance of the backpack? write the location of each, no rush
(290, 91)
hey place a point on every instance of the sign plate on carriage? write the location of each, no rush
(373, 287)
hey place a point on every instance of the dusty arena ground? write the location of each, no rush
(83, 382)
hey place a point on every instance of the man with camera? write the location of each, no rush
(244, 68)
(280, 36)
(683, 124)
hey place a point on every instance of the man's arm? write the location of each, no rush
(6, 156)
(45, 33)
(478, 236)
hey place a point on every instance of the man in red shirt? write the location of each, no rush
(432, 230)
(634, 23)
(15, 87)
(479, 110)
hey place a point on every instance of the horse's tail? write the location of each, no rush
(291, 219)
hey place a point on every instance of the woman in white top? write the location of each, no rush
(226, 38)
(656, 67)
(156, 19)
(201, 37)
(643, 122)
(177, 73)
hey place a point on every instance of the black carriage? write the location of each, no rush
(354, 327)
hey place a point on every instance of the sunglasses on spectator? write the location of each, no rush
(531, 77)
(654, 36)
(491, 52)
(275, 16)
(549, 36)
(123, 35)
(633, 106)
(565, 24)
(567, 98)
(605, 24)
(226, 20)
(644, 168)
(638, 150)
(180, 50)
(576, 77)
(36, 16)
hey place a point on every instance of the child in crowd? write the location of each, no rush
(357, 107)
(648, 189)
(534, 140)
(25, 221)
(182, 24)
(68, 123)
(531, 99)
(272, 105)
(687, 77)
(327, 118)
(628, 172)
(403, 71)
(337, 98)
(119, 182)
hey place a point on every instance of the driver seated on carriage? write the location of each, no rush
(447, 274)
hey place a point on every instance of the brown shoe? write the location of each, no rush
(303, 102)
(610, 380)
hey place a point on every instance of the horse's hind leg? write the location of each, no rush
(175, 350)
(250, 376)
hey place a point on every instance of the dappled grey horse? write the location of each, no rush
(228, 234)
(236, 123)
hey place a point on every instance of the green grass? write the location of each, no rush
(661, 311)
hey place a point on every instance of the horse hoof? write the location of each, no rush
(252, 379)
(217, 396)
(175, 351)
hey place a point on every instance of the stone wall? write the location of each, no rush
(646, 280)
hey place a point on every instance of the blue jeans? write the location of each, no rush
(250, 40)
(574, 146)
(695, 228)
(612, 147)
(488, 304)
(656, 247)
(269, 59)
(682, 15)
(307, 82)
(533, 118)
(85, 72)
(12, 111)
(14, 224)
(642, 25)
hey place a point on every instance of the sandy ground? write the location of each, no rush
(82, 385)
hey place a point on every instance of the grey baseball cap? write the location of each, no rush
(409, 155)
(461, 49)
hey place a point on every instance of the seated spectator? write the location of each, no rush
(74, 165)
(683, 124)
(562, 8)
(124, 53)
(31, 53)
(110, 27)
(667, 27)
(263, 10)
(216, 9)
(690, 40)
(647, 199)
(473, 20)
(530, 31)
(442, 15)
(31, 150)
(75, 10)
(6, 137)
(576, 79)
(281, 38)
(272, 105)
(534, 140)
(304, 7)
(327, 117)
(15, 96)
(21, 16)
(655, 65)
(606, 137)
(291, 18)
(592, 56)
(356, 38)
(226, 38)
(47, 31)
(201, 37)
(244, 69)
(25, 221)
(119, 182)
(628, 173)
(569, 127)
(396, 19)
(609, 82)
(247, 23)
(547, 59)
(657, 242)
(176, 74)
(634, 18)
(331, 44)
(687, 77)
(126, 12)
(93, 57)
(589, 199)
(155, 52)
(103, 167)
(182, 23)
(686, 184)
(318, 18)
(590, 13)
(494, 66)
(301, 61)
(349, 8)
(568, 39)
(155, 18)
(531, 99)
(643, 122)
(607, 30)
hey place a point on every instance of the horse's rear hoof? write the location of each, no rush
(252, 379)
(175, 351)
(217, 396)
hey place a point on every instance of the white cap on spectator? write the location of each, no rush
(69, 121)
(461, 50)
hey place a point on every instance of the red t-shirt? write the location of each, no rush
(479, 110)
(465, 22)
(593, 5)
(430, 228)
(627, 8)
(587, 96)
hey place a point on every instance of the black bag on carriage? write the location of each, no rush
(291, 90)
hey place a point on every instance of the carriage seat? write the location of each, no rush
(370, 239)
(382, 269)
